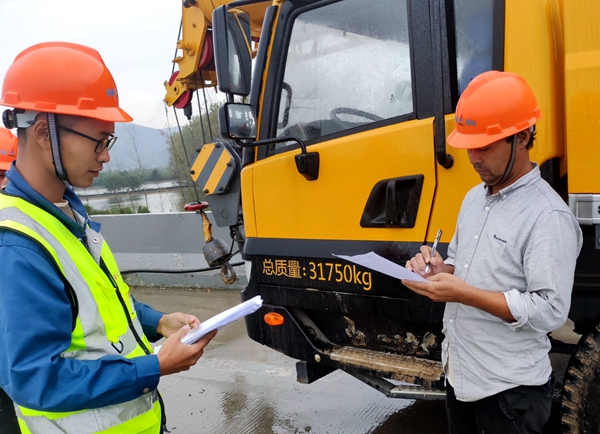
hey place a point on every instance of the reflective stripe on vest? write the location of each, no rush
(126, 418)
(101, 329)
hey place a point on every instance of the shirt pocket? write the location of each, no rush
(110, 309)
(505, 258)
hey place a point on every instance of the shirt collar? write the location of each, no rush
(529, 178)
(18, 186)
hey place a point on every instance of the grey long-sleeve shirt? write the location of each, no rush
(523, 242)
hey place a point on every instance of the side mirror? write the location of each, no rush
(233, 52)
(237, 121)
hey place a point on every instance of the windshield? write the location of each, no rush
(348, 64)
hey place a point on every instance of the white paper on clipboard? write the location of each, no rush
(223, 318)
(375, 262)
(220, 320)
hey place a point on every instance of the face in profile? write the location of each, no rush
(83, 150)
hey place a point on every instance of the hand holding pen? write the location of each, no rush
(433, 249)
(418, 263)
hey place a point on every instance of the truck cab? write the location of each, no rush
(350, 104)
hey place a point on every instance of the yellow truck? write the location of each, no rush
(341, 149)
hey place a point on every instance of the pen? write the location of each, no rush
(433, 248)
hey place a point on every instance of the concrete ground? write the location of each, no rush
(242, 387)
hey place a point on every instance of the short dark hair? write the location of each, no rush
(69, 121)
(529, 145)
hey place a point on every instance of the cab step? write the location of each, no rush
(425, 376)
(401, 367)
(404, 391)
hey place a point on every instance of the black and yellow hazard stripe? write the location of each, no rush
(213, 169)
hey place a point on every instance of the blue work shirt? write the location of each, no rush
(36, 320)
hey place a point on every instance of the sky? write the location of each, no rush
(136, 39)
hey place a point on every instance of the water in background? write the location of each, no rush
(158, 197)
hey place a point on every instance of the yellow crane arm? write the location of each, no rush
(195, 59)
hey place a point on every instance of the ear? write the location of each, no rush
(39, 133)
(524, 137)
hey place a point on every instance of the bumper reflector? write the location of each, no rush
(274, 319)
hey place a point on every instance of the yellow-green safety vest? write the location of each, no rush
(106, 325)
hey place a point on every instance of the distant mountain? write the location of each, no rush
(138, 145)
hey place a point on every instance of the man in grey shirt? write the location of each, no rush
(508, 277)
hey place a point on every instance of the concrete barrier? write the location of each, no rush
(145, 244)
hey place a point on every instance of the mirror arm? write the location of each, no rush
(239, 3)
(274, 141)
(307, 163)
(443, 158)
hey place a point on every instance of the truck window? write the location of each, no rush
(474, 29)
(348, 64)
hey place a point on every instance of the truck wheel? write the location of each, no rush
(580, 404)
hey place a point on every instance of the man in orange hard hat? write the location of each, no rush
(74, 348)
(8, 152)
(509, 273)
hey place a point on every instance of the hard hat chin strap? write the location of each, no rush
(511, 162)
(61, 172)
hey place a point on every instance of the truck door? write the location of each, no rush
(354, 80)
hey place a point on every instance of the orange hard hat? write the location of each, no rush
(62, 78)
(8, 148)
(495, 105)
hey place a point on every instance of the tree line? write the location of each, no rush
(184, 144)
(132, 180)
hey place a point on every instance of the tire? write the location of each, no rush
(580, 401)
